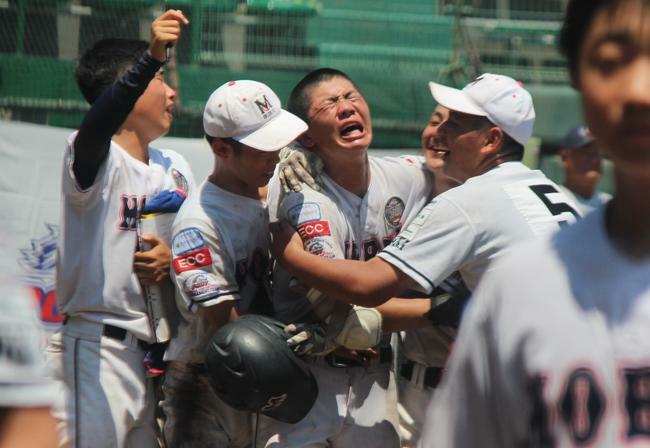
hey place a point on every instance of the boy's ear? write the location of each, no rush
(220, 148)
(306, 141)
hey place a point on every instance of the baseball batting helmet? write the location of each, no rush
(252, 369)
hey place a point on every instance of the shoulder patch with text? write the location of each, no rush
(180, 181)
(393, 211)
(305, 212)
(187, 240)
(192, 260)
(321, 247)
(313, 229)
(201, 285)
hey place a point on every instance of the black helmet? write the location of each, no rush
(252, 369)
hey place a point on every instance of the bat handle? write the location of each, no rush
(168, 53)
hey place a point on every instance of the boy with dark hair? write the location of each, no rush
(362, 204)
(109, 172)
(500, 203)
(554, 349)
(221, 258)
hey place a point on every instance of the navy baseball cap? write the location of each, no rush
(577, 137)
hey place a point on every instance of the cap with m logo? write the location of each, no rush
(251, 113)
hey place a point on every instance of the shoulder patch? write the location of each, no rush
(406, 235)
(322, 247)
(393, 211)
(192, 260)
(180, 181)
(201, 285)
(187, 240)
(313, 229)
(305, 212)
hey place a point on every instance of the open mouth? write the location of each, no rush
(440, 153)
(352, 131)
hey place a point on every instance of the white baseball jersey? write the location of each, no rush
(95, 277)
(220, 251)
(465, 228)
(335, 223)
(554, 350)
(585, 205)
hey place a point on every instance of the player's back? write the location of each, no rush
(560, 331)
(508, 205)
(467, 227)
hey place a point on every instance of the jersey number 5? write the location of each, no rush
(556, 208)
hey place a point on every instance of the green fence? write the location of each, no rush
(390, 48)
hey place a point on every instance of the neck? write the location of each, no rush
(628, 218)
(133, 143)
(224, 179)
(350, 170)
(580, 188)
(493, 161)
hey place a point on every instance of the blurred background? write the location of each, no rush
(390, 48)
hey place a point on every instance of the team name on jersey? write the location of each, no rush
(130, 207)
(369, 248)
(582, 407)
(257, 269)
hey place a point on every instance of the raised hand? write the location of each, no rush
(165, 31)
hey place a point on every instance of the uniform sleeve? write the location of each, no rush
(70, 185)
(468, 409)
(310, 213)
(182, 174)
(107, 113)
(204, 271)
(438, 242)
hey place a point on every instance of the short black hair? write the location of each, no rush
(510, 146)
(103, 63)
(299, 100)
(577, 20)
(234, 144)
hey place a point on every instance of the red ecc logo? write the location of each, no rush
(193, 260)
(314, 229)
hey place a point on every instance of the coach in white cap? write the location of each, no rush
(499, 203)
(221, 261)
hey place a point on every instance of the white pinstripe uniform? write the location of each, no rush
(356, 406)
(221, 253)
(554, 349)
(100, 294)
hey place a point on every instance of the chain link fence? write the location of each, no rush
(390, 48)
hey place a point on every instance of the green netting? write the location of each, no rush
(391, 49)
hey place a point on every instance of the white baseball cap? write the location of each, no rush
(499, 98)
(250, 112)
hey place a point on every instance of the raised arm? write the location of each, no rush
(109, 111)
